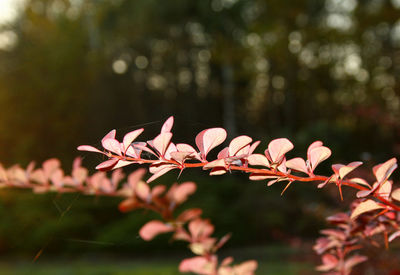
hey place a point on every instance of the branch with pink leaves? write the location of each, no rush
(272, 166)
(188, 226)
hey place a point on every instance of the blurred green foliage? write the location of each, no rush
(306, 70)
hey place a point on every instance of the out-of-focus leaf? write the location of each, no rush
(154, 228)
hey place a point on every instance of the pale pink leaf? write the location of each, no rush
(110, 134)
(396, 194)
(123, 163)
(57, 178)
(50, 165)
(313, 145)
(154, 228)
(360, 181)
(182, 191)
(364, 193)
(89, 149)
(183, 147)
(142, 190)
(258, 159)
(157, 190)
(79, 174)
(336, 168)
(161, 172)
(343, 171)
(143, 147)
(318, 155)
(180, 156)
(112, 145)
(278, 148)
(167, 126)
(385, 189)
(259, 176)
(238, 143)
(200, 228)
(383, 171)
(224, 153)
(198, 264)
(208, 139)
(107, 165)
(135, 177)
(297, 164)
(215, 163)
(130, 137)
(253, 147)
(161, 142)
(365, 206)
(217, 171)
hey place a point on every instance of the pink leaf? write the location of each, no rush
(142, 190)
(208, 139)
(161, 142)
(89, 149)
(123, 163)
(396, 194)
(110, 134)
(215, 163)
(80, 174)
(167, 126)
(153, 228)
(50, 165)
(189, 214)
(224, 153)
(130, 137)
(162, 171)
(385, 189)
(360, 181)
(112, 145)
(259, 176)
(217, 171)
(135, 177)
(278, 148)
(343, 170)
(297, 164)
(365, 206)
(313, 145)
(238, 143)
(200, 228)
(182, 191)
(157, 190)
(383, 171)
(180, 156)
(107, 165)
(318, 155)
(258, 159)
(199, 265)
(57, 178)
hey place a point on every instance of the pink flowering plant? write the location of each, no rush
(374, 212)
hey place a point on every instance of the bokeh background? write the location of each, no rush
(71, 70)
